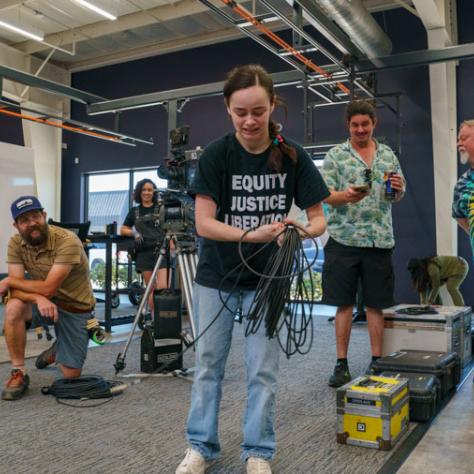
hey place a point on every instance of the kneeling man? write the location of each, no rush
(58, 290)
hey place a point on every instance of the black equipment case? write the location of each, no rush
(161, 343)
(446, 366)
(424, 393)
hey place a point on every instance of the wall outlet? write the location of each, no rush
(76, 160)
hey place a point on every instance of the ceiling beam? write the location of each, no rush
(130, 21)
(430, 14)
(77, 95)
(156, 49)
(10, 3)
(416, 58)
(157, 98)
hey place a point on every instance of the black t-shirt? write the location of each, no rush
(147, 224)
(248, 194)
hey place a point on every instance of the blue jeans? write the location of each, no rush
(261, 360)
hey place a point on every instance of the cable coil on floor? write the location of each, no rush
(86, 387)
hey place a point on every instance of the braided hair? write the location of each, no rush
(250, 75)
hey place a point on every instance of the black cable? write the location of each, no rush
(278, 268)
(86, 387)
(284, 269)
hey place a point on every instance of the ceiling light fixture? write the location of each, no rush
(96, 9)
(37, 36)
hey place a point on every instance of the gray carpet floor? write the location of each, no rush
(142, 430)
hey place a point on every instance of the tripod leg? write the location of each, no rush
(120, 362)
(187, 278)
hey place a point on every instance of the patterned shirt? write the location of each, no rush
(463, 201)
(367, 223)
(63, 247)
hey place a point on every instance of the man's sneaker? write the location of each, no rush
(16, 385)
(258, 466)
(47, 357)
(193, 463)
(340, 376)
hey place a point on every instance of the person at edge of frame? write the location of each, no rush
(361, 231)
(463, 196)
(142, 223)
(59, 291)
(245, 180)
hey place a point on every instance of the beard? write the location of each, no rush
(38, 239)
(463, 157)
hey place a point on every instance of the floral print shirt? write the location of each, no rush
(367, 223)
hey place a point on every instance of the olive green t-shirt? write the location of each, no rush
(62, 247)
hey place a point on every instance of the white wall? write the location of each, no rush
(44, 139)
(16, 179)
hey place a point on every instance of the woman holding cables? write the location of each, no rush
(245, 184)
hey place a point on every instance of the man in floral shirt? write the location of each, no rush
(360, 228)
(463, 201)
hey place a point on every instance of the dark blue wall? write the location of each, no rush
(11, 130)
(414, 219)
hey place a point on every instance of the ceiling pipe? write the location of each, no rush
(354, 19)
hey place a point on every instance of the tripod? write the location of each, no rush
(186, 253)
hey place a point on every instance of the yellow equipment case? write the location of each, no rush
(372, 411)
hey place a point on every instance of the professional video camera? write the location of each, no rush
(177, 209)
(180, 167)
(161, 342)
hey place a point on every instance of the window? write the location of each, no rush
(150, 174)
(109, 195)
(107, 199)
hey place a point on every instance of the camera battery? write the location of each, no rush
(156, 353)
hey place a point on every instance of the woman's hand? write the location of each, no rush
(138, 237)
(265, 233)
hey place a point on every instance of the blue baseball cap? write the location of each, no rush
(25, 204)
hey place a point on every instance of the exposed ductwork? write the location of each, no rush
(354, 19)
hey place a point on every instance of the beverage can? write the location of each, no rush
(389, 193)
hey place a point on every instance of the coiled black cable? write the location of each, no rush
(273, 304)
(287, 264)
(86, 387)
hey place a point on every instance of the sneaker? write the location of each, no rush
(16, 385)
(258, 466)
(193, 463)
(340, 376)
(47, 357)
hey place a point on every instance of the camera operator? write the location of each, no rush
(143, 224)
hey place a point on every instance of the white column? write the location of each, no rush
(437, 16)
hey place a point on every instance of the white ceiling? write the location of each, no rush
(85, 39)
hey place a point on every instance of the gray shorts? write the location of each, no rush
(71, 334)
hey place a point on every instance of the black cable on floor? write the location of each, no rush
(86, 387)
